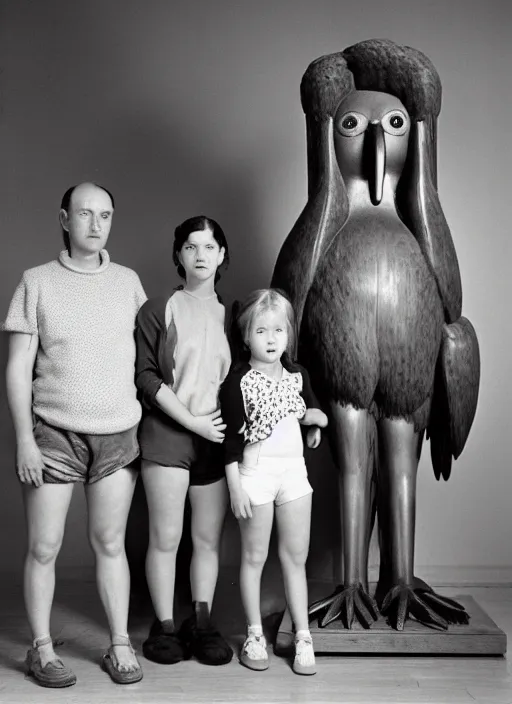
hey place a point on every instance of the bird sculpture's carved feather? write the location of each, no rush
(455, 395)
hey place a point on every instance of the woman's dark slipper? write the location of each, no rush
(203, 640)
(163, 644)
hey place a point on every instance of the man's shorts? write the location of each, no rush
(168, 443)
(82, 457)
(275, 479)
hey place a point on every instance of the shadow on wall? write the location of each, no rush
(11, 541)
(171, 173)
(325, 521)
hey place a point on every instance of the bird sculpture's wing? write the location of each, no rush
(326, 81)
(424, 216)
(317, 226)
(455, 395)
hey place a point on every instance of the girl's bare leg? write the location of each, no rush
(293, 524)
(255, 533)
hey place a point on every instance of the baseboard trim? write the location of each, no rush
(453, 576)
(435, 575)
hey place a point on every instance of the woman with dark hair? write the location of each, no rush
(182, 358)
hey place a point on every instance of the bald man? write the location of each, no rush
(71, 393)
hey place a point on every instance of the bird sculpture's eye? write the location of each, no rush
(351, 124)
(396, 123)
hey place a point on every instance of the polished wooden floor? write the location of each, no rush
(78, 624)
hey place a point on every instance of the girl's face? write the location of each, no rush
(268, 336)
(201, 256)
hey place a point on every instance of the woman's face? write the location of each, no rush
(201, 256)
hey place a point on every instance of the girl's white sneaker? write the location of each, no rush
(304, 661)
(254, 652)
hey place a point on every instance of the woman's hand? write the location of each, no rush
(29, 462)
(211, 427)
(240, 504)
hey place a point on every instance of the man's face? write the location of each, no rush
(88, 219)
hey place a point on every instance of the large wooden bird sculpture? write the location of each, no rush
(371, 268)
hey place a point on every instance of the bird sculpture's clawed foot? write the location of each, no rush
(423, 605)
(344, 604)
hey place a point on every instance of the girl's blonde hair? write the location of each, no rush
(260, 301)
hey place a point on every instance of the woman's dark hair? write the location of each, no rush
(64, 205)
(199, 222)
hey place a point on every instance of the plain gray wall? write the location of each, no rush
(183, 108)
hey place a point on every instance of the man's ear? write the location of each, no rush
(63, 218)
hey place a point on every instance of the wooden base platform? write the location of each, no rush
(480, 637)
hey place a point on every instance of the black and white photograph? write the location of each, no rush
(255, 352)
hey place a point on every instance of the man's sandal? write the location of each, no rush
(111, 663)
(54, 673)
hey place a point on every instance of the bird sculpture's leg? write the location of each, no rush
(397, 481)
(354, 437)
(398, 463)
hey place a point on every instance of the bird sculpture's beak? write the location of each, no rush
(377, 153)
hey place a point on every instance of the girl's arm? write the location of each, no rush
(314, 416)
(20, 365)
(240, 502)
(233, 413)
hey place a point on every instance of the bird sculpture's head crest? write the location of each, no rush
(375, 64)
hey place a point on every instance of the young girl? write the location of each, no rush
(263, 400)
(182, 358)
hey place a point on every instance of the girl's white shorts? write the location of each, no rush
(277, 479)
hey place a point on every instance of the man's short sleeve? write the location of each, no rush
(140, 294)
(22, 314)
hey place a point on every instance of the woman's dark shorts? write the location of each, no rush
(82, 457)
(168, 443)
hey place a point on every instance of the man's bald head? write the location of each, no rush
(75, 193)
